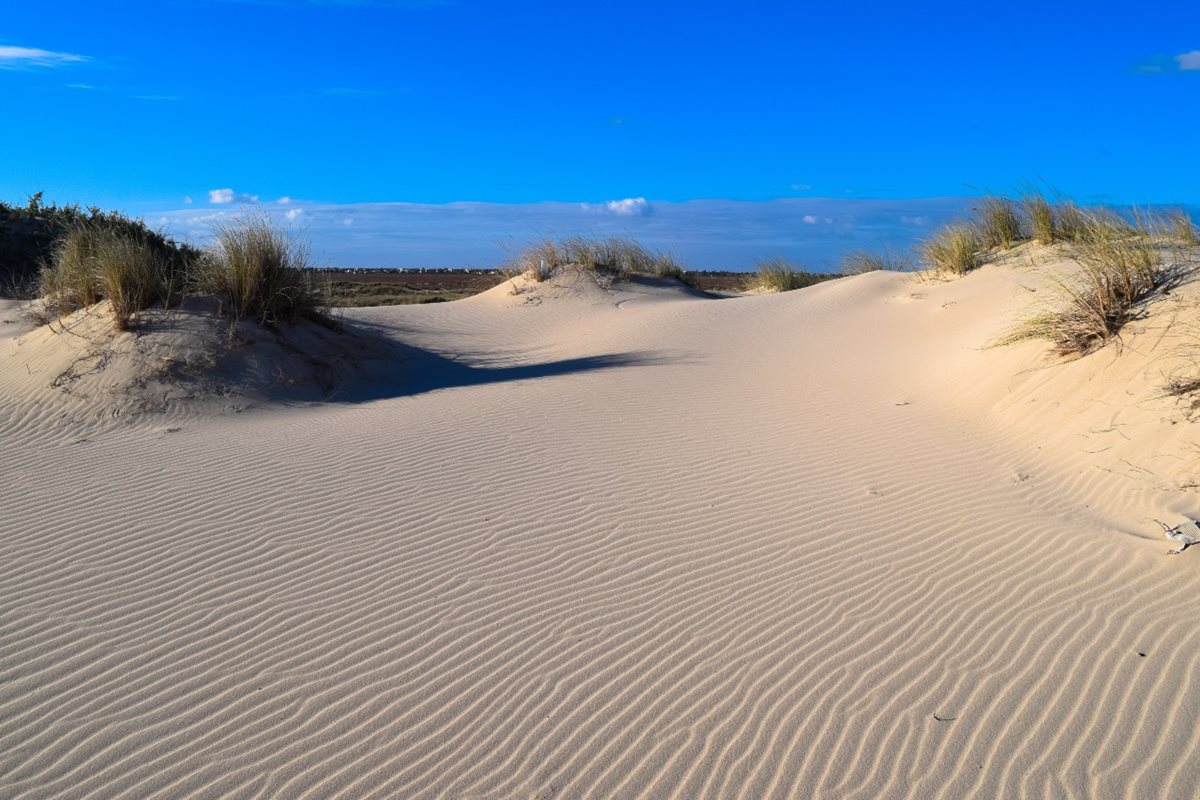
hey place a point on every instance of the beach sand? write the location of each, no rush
(592, 540)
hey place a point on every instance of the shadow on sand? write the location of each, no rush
(390, 368)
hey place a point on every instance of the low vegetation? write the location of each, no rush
(95, 260)
(1179, 225)
(621, 257)
(31, 236)
(781, 275)
(861, 261)
(256, 269)
(1040, 215)
(954, 250)
(1120, 267)
(259, 272)
(998, 224)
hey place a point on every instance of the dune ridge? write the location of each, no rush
(814, 544)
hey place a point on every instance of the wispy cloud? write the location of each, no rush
(15, 57)
(221, 197)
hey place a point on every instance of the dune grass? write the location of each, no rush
(953, 250)
(781, 275)
(998, 224)
(1071, 223)
(94, 261)
(1120, 267)
(861, 261)
(1178, 224)
(1040, 213)
(622, 257)
(259, 272)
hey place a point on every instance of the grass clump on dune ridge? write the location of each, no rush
(862, 261)
(622, 257)
(1040, 213)
(953, 250)
(1120, 267)
(258, 270)
(94, 261)
(998, 223)
(781, 275)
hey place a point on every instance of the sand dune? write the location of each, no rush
(586, 540)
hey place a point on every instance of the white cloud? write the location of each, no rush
(222, 197)
(188, 200)
(920, 220)
(284, 201)
(1188, 61)
(812, 219)
(34, 57)
(292, 213)
(347, 221)
(629, 207)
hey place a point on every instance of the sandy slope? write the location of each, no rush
(618, 542)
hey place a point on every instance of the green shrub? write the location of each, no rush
(953, 250)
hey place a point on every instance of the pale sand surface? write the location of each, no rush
(624, 542)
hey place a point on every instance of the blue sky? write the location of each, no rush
(542, 114)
